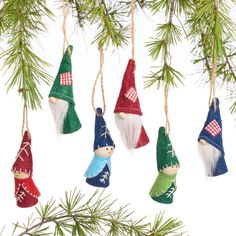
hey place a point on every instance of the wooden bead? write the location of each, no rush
(53, 100)
(21, 175)
(122, 115)
(202, 141)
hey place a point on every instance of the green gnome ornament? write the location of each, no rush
(167, 164)
(61, 99)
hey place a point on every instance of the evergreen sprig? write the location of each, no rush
(22, 24)
(177, 8)
(3, 26)
(210, 25)
(94, 216)
(109, 18)
(165, 75)
(167, 34)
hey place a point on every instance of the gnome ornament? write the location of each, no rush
(128, 112)
(61, 98)
(167, 164)
(211, 143)
(26, 192)
(99, 170)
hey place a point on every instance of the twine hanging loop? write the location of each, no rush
(25, 121)
(99, 76)
(132, 26)
(213, 78)
(167, 126)
(66, 10)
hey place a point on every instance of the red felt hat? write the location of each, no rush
(23, 162)
(128, 101)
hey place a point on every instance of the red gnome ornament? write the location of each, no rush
(26, 192)
(128, 111)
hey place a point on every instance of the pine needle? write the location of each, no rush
(95, 216)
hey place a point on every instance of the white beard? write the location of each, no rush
(210, 156)
(59, 111)
(130, 129)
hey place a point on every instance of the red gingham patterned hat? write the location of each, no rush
(128, 101)
(23, 162)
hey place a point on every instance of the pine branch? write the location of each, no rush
(211, 25)
(180, 6)
(169, 227)
(165, 75)
(3, 26)
(94, 216)
(202, 54)
(108, 17)
(167, 34)
(24, 21)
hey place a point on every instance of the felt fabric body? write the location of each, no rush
(26, 192)
(212, 134)
(97, 165)
(128, 101)
(164, 186)
(65, 92)
(98, 172)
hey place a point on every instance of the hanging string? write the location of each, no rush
(213, 69)
(25, 123)
(132, 26)
(213, 78)
(99, 76)
(167, 127)
(66, 9)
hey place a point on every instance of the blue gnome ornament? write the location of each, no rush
(99, 170)
(211, 143)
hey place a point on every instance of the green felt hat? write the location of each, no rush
(64, 91)
(165, 153)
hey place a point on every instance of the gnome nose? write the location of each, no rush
(122, 115)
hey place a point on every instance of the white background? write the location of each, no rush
(206, 205)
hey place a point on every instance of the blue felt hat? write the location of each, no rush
(102, 134)
(212, 133)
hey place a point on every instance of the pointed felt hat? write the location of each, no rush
(23, 162)
(63, 89)
(165, 153)
(102, 134)
(62, 86)
(128, 101)
(212, 134)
